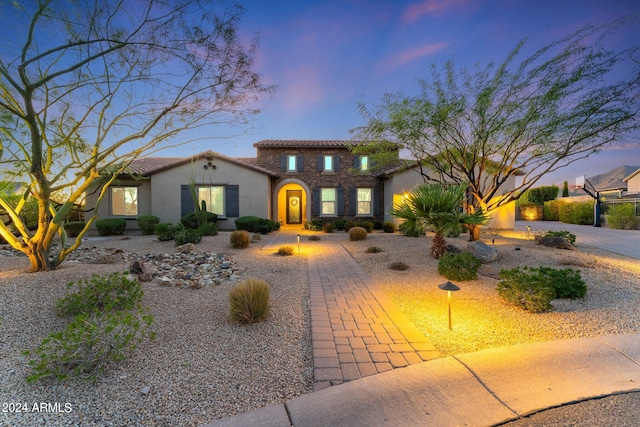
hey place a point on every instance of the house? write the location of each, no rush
(633, 182)
(290, 181)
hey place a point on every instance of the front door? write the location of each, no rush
(294, 206)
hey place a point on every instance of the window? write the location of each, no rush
(328, 163)
(213, 197)
(328, 201)
(364, 201)
(124, 201)
(291, 163)
(364, 163)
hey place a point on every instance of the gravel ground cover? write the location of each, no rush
(201, 367)
(481, 318)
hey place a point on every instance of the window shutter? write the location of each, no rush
(353, 201)
(186, 201)
(315, 201)
(377, 202)
(283, 162)
(320, 163)
(232, 201)
(336, 162)
(356, 162)
(340, 196)
(300, 162)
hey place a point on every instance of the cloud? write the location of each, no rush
(412, 54)
(416, 11)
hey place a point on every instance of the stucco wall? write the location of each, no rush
(633, 185)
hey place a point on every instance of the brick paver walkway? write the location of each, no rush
(356, 330)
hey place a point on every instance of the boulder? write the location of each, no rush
(555, 242)
(187, 248)
(138, 268)
(483, 252)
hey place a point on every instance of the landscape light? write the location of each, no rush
(448, 286)
(298, 243)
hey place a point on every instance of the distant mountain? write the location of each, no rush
(613, 178)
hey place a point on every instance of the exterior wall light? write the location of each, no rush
(298, 236)
(448, 286)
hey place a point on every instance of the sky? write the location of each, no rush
(326, 56)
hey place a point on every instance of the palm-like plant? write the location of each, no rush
(438, 206)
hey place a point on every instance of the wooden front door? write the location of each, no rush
(294, 206)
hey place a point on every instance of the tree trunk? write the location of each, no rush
(474, 233)
(39, 258)
(439, 246)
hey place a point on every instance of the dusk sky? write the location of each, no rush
(326, 56)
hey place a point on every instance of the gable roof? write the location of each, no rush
(631, 175)
(149, 165)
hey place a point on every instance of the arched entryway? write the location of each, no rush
(291, 205)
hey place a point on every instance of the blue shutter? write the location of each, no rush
(356, 162)
(300, 162)
(320, 163)
(340, 196)
(336, 162)
(186, 201)
(283, 162)
(232, 201)
(315, 201)
(353, 200)
(377, 202)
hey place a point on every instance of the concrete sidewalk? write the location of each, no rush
(477, 389)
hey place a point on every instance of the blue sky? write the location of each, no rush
(326, 56)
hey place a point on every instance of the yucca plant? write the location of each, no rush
(438, 206)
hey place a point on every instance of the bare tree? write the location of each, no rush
(568, 100)
(87, 86)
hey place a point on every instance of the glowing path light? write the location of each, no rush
(448, 286)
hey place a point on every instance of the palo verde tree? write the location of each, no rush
(563, 103)
(87, 86)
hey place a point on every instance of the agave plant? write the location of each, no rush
(438, 206)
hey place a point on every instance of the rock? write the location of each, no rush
(145, 390)
(555, 242)
(450, 249)
(165, 281)
(187, 248)
(138, 268)
(483, 252)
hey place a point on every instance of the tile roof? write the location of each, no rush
(296, 143)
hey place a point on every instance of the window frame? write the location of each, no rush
(124, 189)
(292, 158)
(328, 158)
(223, 198)
(370, 202)
(323, 201)
(365, 164)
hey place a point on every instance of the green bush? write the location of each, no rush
(367, 225)
(398, 266)
(328, 227)
(388, 227)
(566, 235)
(187, 236)
(534, 288)
(378, 225)
(357, 233)
(373, 250)
(266, 226)
(462, 266)
(622, 216)
(576, 213)
(166, 231)
(147, 223)
(285, 250)
(208, 229)
(249, 301)
(111, 226)
(190, 220)
(340, 224)
(239, 239)
(412, 229)
(74, 228)
(551, 210)
(101, 293)
(88, 344)
(543, 194)
(314, 225)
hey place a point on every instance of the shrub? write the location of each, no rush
(576, 213)
(349, 225)
(528, 290)
(398, 266)
(566, 282)
(367, 225)
(357, 233)
(377, 225)
(86, 346)
(551, 210)
(412, 229)
(208, 229)
(239, 239)
(111, 226)
(247, 223)
(388, 227)
(191, 222)
(249, 301)
(266, 226)
(314, 225)
(147, 223)
(566, 235)
(74, 228)
(166, 231)
(256, 238)
(285, 250)
(340, 224)
(542, 194)
(314, 237)
(373, 250)
(101, 293)
(328, 227)
(462, 266)
(187, 236)
(622, 216)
